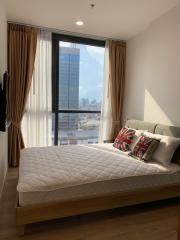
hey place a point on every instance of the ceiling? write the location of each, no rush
(118, 19)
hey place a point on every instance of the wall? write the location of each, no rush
(3, 67)
(152, 90)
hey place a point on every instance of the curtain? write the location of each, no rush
(106, 113)
(37, 120)
(22, 42)
(117, 61)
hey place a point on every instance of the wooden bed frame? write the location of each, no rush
(59, 209)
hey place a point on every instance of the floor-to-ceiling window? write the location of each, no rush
(78, 66)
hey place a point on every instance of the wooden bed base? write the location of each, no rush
(59, 209)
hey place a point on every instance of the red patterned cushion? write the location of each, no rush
(144, 148)
(124, 139)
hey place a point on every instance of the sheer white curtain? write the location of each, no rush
(106, 117)
(37, 120)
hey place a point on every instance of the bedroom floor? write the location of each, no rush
(149, 221)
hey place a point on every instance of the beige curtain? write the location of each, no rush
(117, 61)
(22, 42)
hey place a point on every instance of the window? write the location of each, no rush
(78, 65)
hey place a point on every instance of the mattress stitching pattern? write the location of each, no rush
(51, 168)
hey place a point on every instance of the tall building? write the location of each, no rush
(69, 86)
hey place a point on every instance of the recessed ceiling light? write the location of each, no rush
(79, 23)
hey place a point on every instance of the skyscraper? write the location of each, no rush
(69, 86)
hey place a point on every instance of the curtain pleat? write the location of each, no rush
(22, 42)
(117, 61)
(106, 113)
(37, 120)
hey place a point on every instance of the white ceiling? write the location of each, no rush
(118, 19)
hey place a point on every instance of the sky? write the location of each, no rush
(91, 71)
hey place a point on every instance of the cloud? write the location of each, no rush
(96, 52)
(93, 50)
(65, 44)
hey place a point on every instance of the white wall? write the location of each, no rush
(152, 90)
(3, 67)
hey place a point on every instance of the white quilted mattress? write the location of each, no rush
(75, 171)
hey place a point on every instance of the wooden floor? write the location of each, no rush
(157, 221)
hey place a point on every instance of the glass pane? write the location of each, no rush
(82, 128)
(80, 76)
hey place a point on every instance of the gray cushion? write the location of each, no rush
(168, 130)
(141, 125)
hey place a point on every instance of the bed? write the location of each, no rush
(63, 181)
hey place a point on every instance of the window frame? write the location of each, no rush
(56, 38)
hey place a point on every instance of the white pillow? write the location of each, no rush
(166, 148)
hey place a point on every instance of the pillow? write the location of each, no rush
(124, 139)
(144, 148)
(136, 136)
(166, 148)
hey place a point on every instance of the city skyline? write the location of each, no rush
(69, 63)
(69, 59)
(80, 87)
(91, 70)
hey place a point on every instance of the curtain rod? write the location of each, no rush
(55, 30)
